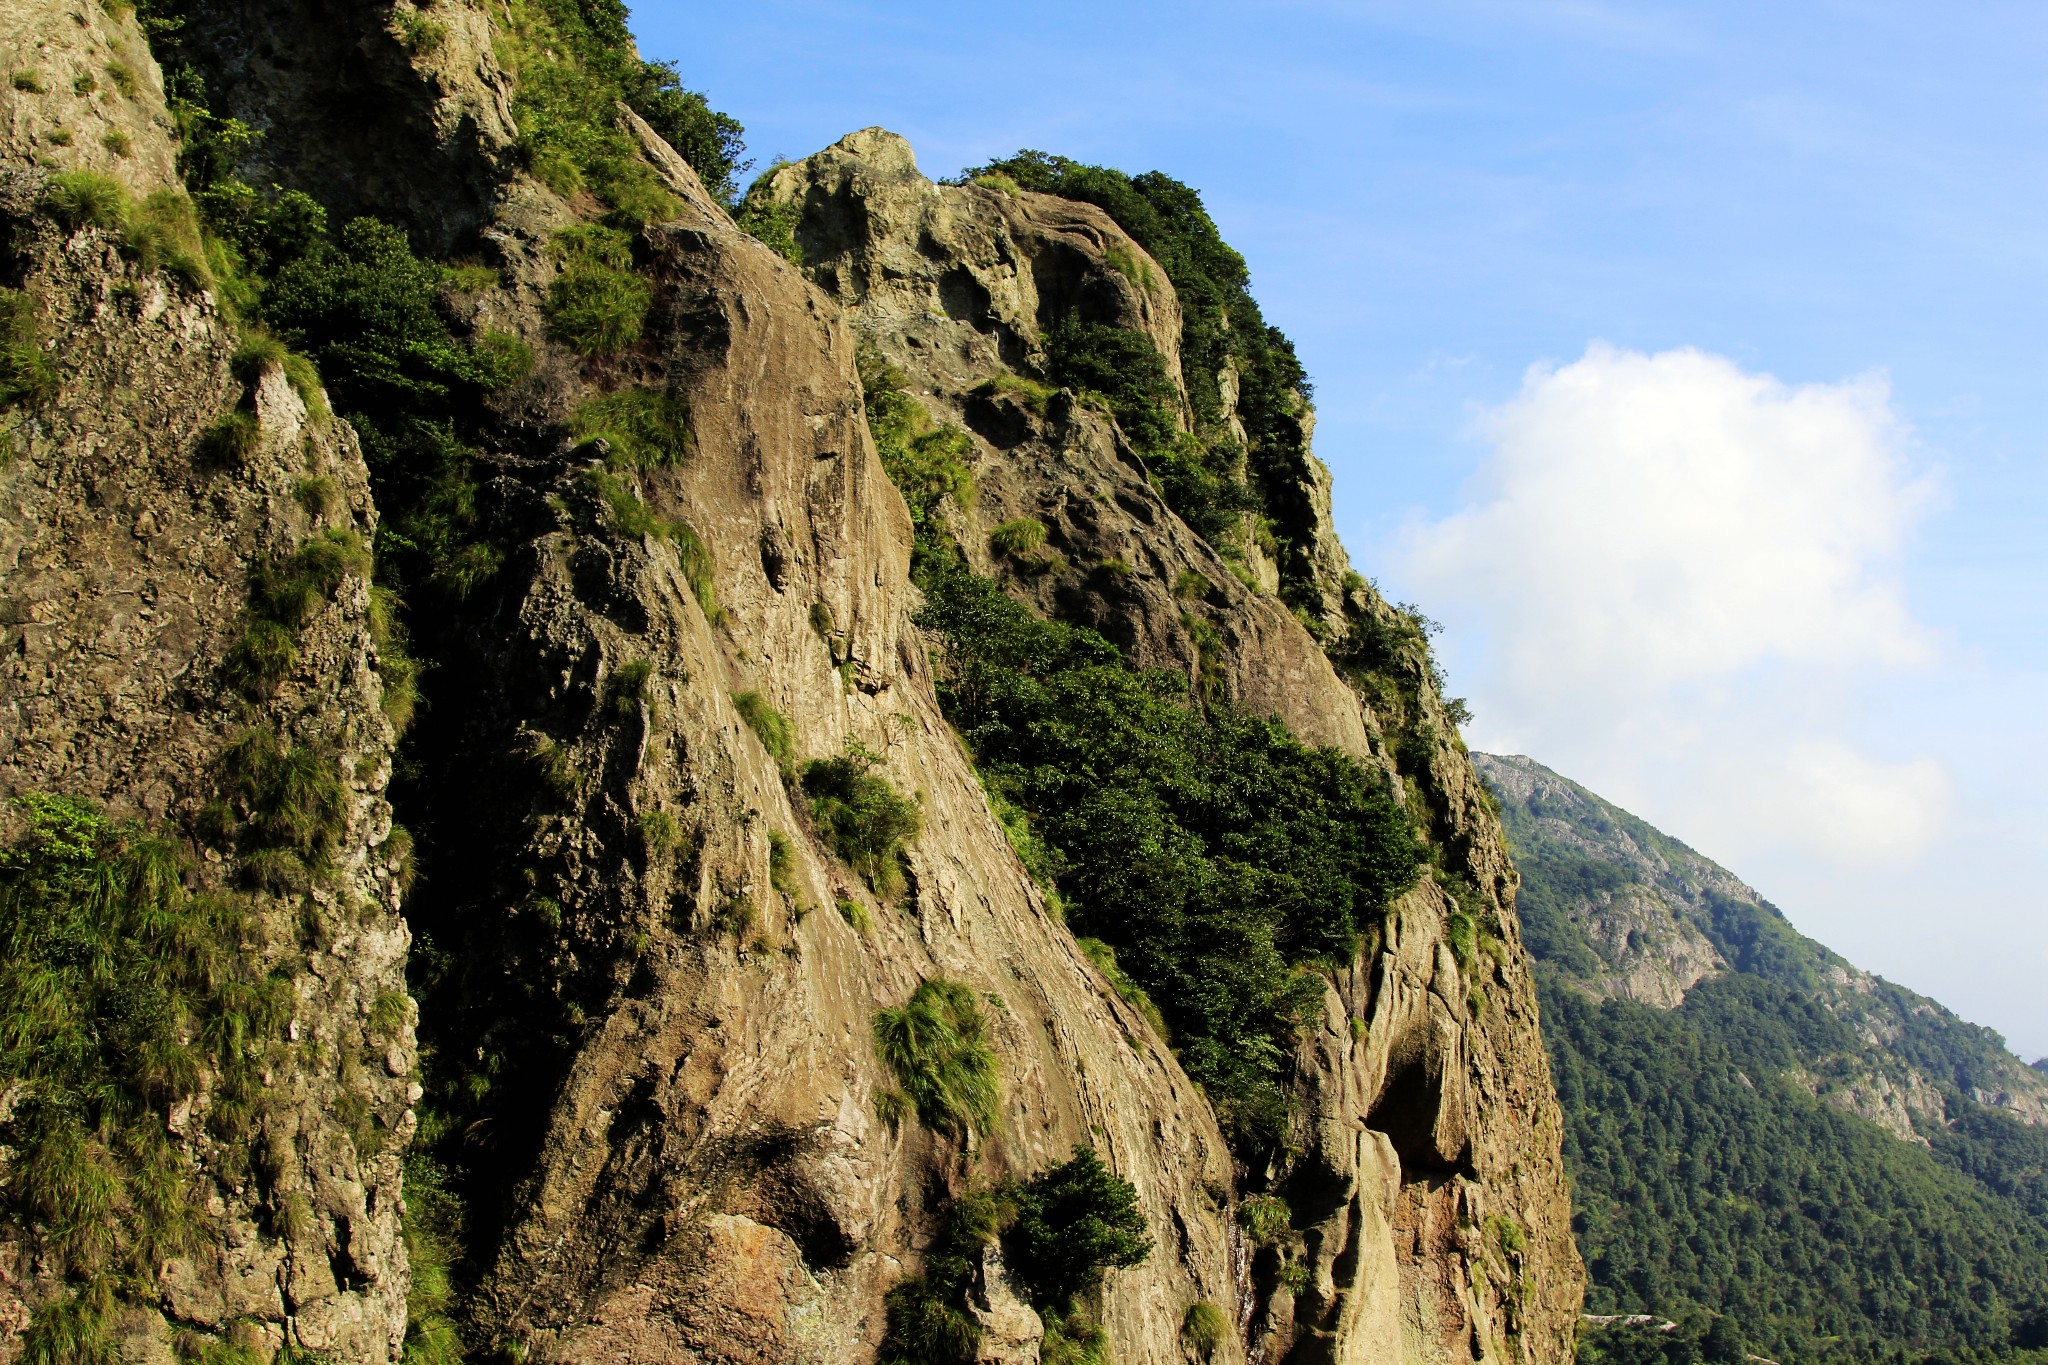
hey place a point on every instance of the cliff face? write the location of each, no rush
(1427, 1123)
(651, 982)
(129, 545)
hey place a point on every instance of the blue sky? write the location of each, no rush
(1845, 198)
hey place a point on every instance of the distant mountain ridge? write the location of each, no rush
(1618, 908)
(1757, 1128)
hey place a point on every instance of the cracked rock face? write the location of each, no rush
(1428, 1123)
(701, 1173)
(125, 567)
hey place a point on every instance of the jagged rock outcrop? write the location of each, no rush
(127, 554)
(1426, 1127)
(660, 970)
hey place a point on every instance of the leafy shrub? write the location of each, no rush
(936, 1047)
(597, 306)
(769, 725)
(122, 991)
(27, 378)
(645, 430)
(1208, 846)
(771, 223)
(1074, 1221)
(1017, 537)
(861, 816)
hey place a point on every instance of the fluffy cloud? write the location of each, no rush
(1672, 577)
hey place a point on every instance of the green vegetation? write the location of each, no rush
(770, 222)
(770, 726)
(1032, 394)
(1204, 1328)
(926, 462)
(1265, 1218)
(1708, 1179)
(1221, 329)
(645, 430)
(1018, 537)
(1061, 1231)
(123, 993)
(1216, 854)
(860, 816)
(573, 63)
(1129, 991)
(1199, 479)
(936, 1046)
(27, 378)
(282, 599)
(597, 305)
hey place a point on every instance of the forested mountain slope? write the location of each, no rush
(1754, 1127)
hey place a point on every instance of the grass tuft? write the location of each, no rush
(936, 1046)
(861, 816)
(1018, 537)
(769, 725)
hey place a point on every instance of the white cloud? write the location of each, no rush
(1671, 577)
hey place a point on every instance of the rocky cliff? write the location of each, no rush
(614, 457)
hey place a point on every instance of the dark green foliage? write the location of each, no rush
(27, 378)
(936, 1046)
(860, 816)
(1220, 325)
(1129, 991)
(597, 306)
(1061, 1230)
(575, 62)
(1199, 480)
(365, 309)
(769, 725)
(120, 991)
(1074, 1221)
(771, 223)
(928, 1321)
(645, 430)
(1208, 846)
(1704, 1178)
(1709, 1179)
(926, 462)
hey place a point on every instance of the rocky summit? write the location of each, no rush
(603, 769)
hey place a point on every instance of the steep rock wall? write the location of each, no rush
(126, 561)
(1427, 1123)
